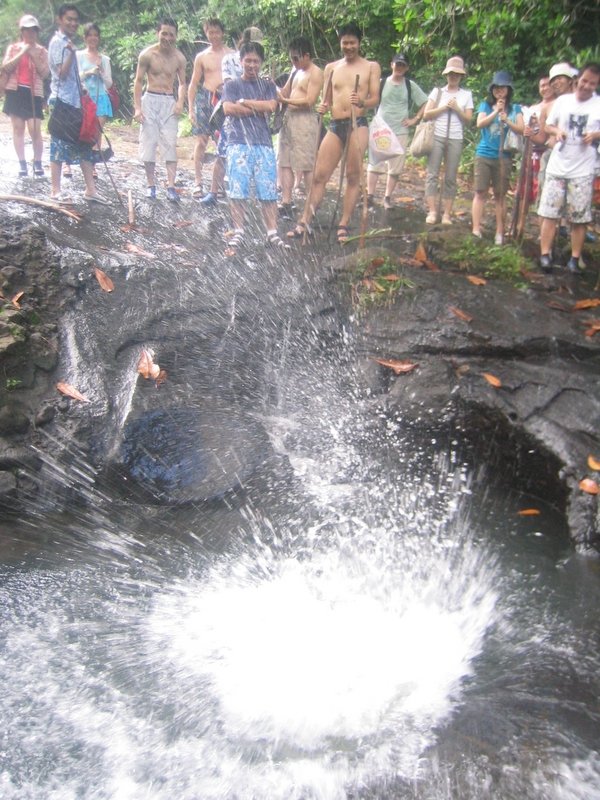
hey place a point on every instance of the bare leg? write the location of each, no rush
(171, 172)
(35, 131)
(18, 126)
(328, 158)
(548, 231)
(287, 184)
(372, 180)
(55, 173)
(238, 213)
(269, 213)
(577, 238)
(392, 180)
(477, 210)
(87, 168)
(447, 209)
(500, 214)
(217, 183)
(149, 167)
(357, 147)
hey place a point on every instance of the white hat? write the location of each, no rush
(28, 21)
(561, 69)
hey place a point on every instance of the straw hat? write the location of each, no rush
(455, 64)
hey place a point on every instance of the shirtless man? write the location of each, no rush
(204, 90)
(157, 110)
(301, 125)
(347, 103)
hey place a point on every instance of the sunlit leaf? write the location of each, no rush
(133, 248)
(589, 486)
(593, 463)
(461, 314)
(146, 366)
(591, 302)
(476, 280)
(71, 391)
(15, 300)
(420, 253)
(492, 379)
(105, 282)
(398, 366)
(529, 512)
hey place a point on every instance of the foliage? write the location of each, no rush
(377, 280)
(503, 262)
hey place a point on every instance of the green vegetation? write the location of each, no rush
(525, 36)
(480, 258)
(12, 384)
(376, 281)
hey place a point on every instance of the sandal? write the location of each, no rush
(197, 192)
(235, 239)
(276, 241)
(299, 231)
(342, 234)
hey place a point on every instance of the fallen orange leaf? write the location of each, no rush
(410, 262)
(492, 379)
(146, 366)
(592, 302)
(593, 463)
(389, 277)
(133, 248)
(15, 300)
(476, 280)
(71, 391)
(461, 314)
(593, 327)
(529, 512)
(420, 253)
(399, 367)
(161, 377)
(589, 486)
(377, 262)
(105, 282)
(431, 266)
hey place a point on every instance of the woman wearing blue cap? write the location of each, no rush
(496, 117)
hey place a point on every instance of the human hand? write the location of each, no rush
(138, 115)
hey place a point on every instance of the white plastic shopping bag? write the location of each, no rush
(383, 142)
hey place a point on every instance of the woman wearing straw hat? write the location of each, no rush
(26, 63)
(496, 115)
(452, 108)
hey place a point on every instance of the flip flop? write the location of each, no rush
(299, 231)
(234, 242)
(275, 241)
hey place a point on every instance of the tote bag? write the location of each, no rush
(422, 143)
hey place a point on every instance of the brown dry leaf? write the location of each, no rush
(591, 302)
(398, 366)
(461, 314)
(431, 266)
(593, 327)
(557, 306)
(389, 277)
(368, 283)
(378, 287)
(377, 262)
(105, 282)
(492, 379)
(161, 377)
(529, 512)
(589, 486)
(420, 253)
(15, 300)
(133, 248)
(593, 463)
(476, 280)
(184, 223)
(405, 199)
(146, 366)
(409, 262)
(71, 391)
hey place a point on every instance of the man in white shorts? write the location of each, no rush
(575, 122)
(157, 110)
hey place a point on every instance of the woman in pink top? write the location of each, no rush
(26, 63)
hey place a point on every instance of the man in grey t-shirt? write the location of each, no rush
(397, 95)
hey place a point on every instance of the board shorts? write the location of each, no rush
(62, 152)
(204, 107)
(297, 147)
(249, 164)
(159, 128)
(573, 193)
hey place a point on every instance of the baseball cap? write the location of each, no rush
(400, 58)
(28, 21)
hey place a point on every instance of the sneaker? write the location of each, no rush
(209, 199)
(546, 263)
(573, 265)
(38, 170)
(387, 202)
(22, 173)
(499, 239)
(151, 192)
(477, 234)
(173, 195)
(96, 198)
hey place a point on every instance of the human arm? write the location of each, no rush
(372, 98)
(181, 88)
(326, 99)
(313, 90)
(106, 72)
(410, 121)
(138, 85)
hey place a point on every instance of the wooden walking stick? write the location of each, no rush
(501, 164)
(527, 181)
(518, 201)
(343, 162)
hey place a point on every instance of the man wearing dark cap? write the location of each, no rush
(398, 94)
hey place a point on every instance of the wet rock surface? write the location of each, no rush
(216, 326)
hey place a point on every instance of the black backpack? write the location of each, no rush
(408, 88)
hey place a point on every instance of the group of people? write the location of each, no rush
(228, 98)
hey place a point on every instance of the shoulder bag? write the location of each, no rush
(422, 143)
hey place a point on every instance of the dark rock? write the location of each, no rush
(45, 415)
(13, 420)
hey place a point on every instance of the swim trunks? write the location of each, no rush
(204, 107)
(343, 127)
